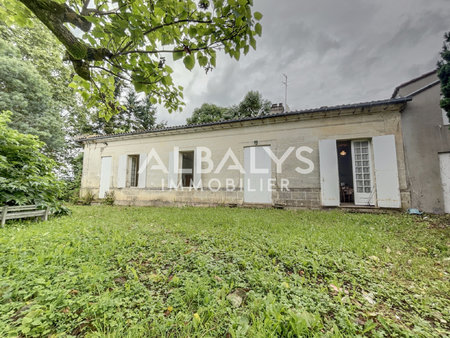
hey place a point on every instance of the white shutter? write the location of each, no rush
(122, 172)
(257, 175)
(142, 170)
(386, 173)
(105, 176)
(329, 175)
(173, 169)
(197, 169)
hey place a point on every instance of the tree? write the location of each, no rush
(141, 113)
(253, 104)
(26, 175)
(444, 74)
(136, 113)
(28, 95)
(39, 47)
(129, 40)
(207, 113)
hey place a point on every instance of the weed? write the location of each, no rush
(87, 198)
(110, 198)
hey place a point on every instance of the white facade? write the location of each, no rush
(295, 161)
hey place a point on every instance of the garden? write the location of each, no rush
(144, 271)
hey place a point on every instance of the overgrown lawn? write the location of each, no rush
(128, 271)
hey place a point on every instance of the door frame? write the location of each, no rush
(369, 198)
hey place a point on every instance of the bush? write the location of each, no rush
(26, 174)
(71, 191)
(110, 198)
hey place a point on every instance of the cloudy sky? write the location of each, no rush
(333, 51)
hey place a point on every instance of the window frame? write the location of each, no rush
(133, 170)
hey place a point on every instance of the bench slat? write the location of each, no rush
(21, 207)
(25, 214)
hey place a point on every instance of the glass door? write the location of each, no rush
(362, 173)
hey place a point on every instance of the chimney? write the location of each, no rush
(277, 108)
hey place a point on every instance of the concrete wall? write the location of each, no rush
(424, 136)
(279, 133)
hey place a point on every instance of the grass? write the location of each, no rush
(125, 271)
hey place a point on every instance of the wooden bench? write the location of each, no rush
(22, 211)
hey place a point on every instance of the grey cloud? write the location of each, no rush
(334, 51)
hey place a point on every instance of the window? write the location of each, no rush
(362, 167)
(187, 166)
(133, 170)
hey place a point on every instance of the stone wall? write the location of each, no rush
(278, 133)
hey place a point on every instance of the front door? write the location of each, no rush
(362, 173)
(258, 171)
(105, 176)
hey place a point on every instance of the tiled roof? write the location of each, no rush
(263, 117)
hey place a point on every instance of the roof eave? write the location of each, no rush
(397, 89)
(403, 100)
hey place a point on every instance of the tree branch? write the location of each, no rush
(162, 26)
(53, 15)
(178, 50)
(174, 23)
(85, 6)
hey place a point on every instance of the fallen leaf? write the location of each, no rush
(237, 297)
(369, 298)
(335, 288)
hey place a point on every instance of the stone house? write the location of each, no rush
(348, 155)
(426, 139)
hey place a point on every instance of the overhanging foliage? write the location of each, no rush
(444, 74)
(130, 40)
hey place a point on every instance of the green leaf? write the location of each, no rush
(257, 15)
(192, 31)
(202, 61)
(189, 62)
(177, 55)
(258, 29)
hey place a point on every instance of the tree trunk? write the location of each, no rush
(54, 15)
